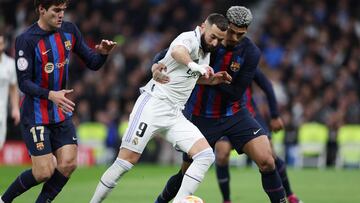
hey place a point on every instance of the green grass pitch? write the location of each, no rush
(144, 182)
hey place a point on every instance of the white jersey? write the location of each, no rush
(183, 80)
(7, 77)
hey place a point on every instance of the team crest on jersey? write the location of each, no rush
(236, 64)
(49, 68)
(68, 45)
(40, 146)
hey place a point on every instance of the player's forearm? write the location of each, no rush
(235, 91)
(32, 89)
(203, 81)
(272, 103)
(181, 55)
(14, 97)
(95, 61)
(265, 84)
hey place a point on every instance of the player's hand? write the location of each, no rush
(217, 78)
(209, 72)
(105, 47)
(60, 100)
(276, 124)
(221, 77)
(15, 114)
(158, 74)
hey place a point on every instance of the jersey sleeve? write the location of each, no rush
(263, 82)
(186, 40)
(24, 68)
(236, 89)
(93, 60)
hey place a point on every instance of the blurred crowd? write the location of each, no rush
(310, 52)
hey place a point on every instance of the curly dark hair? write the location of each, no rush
(47, 3)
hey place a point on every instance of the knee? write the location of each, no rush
(67, 167)
(43, 173)
(266, 163)
(206, 156)
(222, 157)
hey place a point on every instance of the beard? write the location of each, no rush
(205, 46)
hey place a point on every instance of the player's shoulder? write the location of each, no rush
(188, 39)
(190, 35)
(29, 32)
(251, 46)
(69, 27)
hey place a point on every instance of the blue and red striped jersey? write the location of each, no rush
(226, 99)
(42, 61)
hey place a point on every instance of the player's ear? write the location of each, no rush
(41, 10)
(202, 27)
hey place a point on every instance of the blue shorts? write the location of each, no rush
(260, 120)
(239, 128)
(45, 139)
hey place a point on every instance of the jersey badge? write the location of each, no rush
(40, 146)
(21, 53)
(49, 68)
(135, 141)
(68, 45)
(235, 66)
(22, 63)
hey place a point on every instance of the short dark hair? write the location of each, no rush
(47, 3)
(219, 20)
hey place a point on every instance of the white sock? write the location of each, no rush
(109, 179)
(195, 173)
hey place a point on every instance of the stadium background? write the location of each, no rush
(310, 52)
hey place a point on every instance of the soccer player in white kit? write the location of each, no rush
(8, 84)
(158, 110)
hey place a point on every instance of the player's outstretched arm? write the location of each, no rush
(93, 59)
(217, 78)
(181, 54)
(264, 83)
(276, 123)
(105, 47)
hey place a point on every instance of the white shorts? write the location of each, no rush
(152, 116)
(2, 130)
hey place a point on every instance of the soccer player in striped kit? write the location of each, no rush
(42, 62)
(223, 146)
